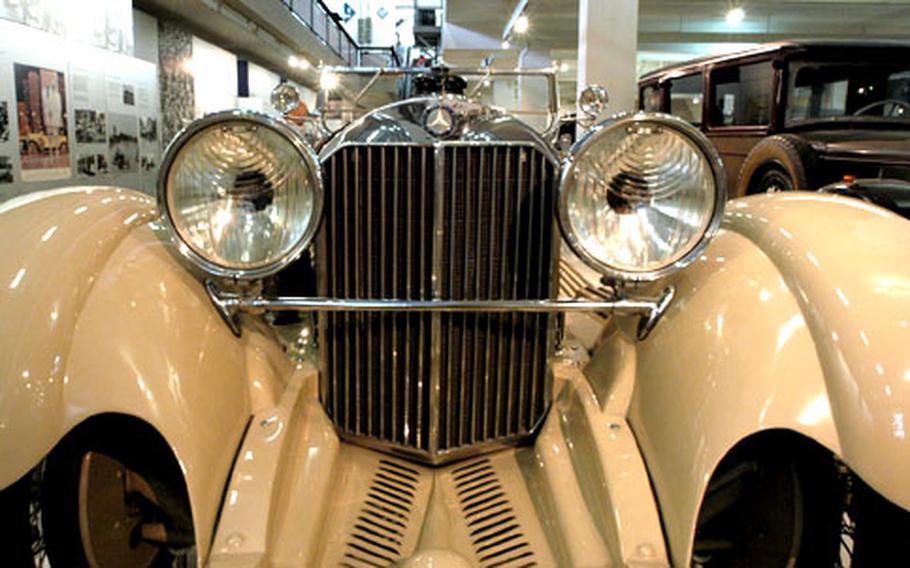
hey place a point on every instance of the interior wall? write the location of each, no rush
(74, 114)
(175, 78)
(145, 37)
(214, 78)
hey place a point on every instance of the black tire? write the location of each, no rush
(878, 530)
(41, 512)
(777, 163)
(767, 506)
(20, 545)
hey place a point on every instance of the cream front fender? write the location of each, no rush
(796, 317)
(101, 318)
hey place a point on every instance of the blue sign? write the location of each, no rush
(348, 13)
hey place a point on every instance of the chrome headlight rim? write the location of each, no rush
(289, 133)
(567, 183)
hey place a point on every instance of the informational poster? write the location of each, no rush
(148, 140)
(72, 114)
(43, 140)
(4, 121)
(6, 164)
(124, 143)
(91, 126)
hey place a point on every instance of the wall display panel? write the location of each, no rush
(74, 114)
(42, 115)
(106, 24)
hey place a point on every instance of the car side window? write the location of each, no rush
(686, 96)
(741, 95)
(651, 98)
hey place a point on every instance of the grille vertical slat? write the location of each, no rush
(356, 192)
(514, 185)
(488, 291)
(393, 260)
(346, 275)
(368, 288)
(408, 182)
(542, 244)
(477, 323)
(503, 401)
(475, 217)
(467, 384)
(381, 374)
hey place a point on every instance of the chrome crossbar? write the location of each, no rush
(650, 308)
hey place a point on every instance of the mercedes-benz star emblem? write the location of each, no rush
(439, 121)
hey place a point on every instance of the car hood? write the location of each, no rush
(866, 144)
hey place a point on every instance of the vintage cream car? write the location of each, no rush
(390, 349)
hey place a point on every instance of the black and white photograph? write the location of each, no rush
(101, 161)
(124, 142)
(91, 126)
(6, 169)
(4, 121)
(147, 163)
(148, 129)
(86, 166)
(129, 95)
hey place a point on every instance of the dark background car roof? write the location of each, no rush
(786, 46)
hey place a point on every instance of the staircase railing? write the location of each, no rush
(328, 27)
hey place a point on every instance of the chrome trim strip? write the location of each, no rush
(436, 283)
(233, 303)
(358, 258)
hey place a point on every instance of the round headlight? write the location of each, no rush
(641, 196)
(242, 193)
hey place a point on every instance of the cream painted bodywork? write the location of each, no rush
(798, 317)
(581, 493)
(100, 317)
(789, 320)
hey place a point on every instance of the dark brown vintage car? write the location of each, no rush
(796, 114)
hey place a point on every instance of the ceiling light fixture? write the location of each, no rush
(521, 24)
(518, 22)
(735, 16)
(298, 62)
(328, 81)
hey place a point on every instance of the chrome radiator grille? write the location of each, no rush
(454, 221)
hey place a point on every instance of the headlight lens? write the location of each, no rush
(641, 196)
(242, 193)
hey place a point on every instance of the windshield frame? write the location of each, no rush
(482, 74)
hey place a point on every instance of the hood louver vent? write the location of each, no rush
(495, 530)
(376, 538)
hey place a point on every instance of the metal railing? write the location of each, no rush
(324, 23)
